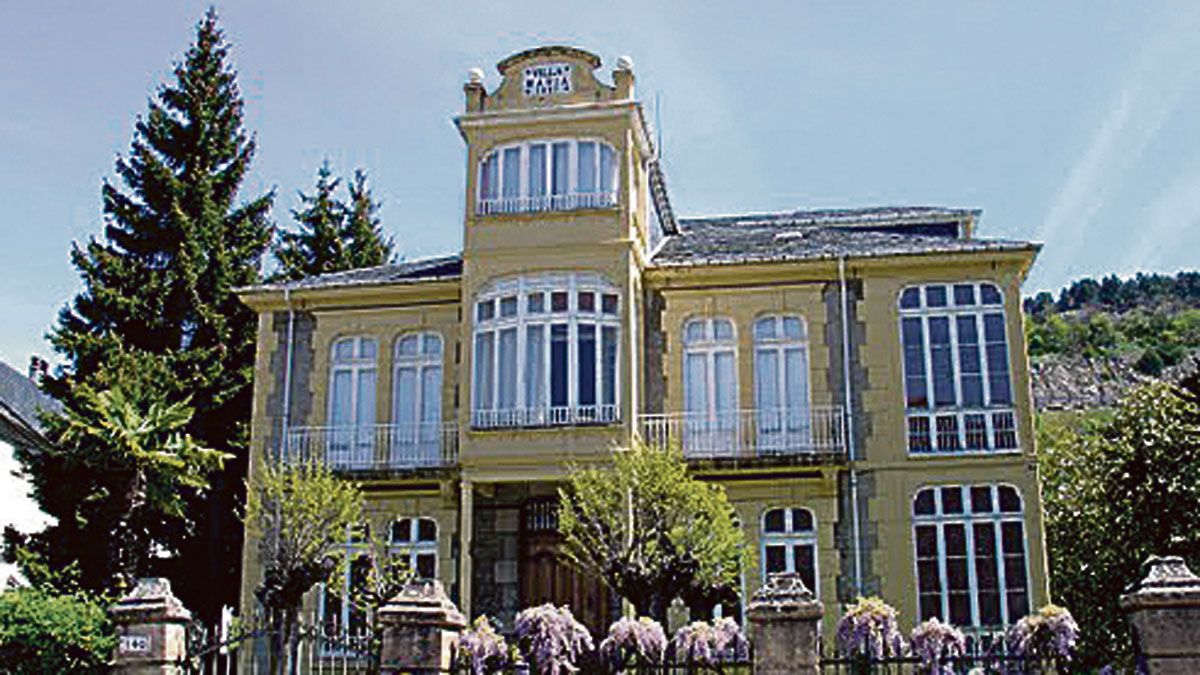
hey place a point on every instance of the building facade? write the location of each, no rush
(856, 379)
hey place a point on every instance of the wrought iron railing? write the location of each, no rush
(816, 433)
(376, 447)
(552, 416)
(564, 202)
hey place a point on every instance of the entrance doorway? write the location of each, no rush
(545, 576)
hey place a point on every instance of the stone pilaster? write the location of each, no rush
(1165, 612)
(151, 628)
(420, 630)
(785, 627)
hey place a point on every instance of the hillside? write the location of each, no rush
(1099, 338)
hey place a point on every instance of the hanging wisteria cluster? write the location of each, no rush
(633, 642)
(551, 639)
(483, 648)
(869, 628)
(709, 644)
(1051, 633)
(935, 644)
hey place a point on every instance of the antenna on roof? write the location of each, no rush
(658, 126)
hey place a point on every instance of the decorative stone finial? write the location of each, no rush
(784, 594)
(475, 76)
(624, 63)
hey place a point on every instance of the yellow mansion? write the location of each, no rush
(856, 379)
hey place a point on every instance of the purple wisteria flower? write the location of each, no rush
(710, 644)
(935, 643)
(551, 639)
(869, 628)
(633, 642)
(483, 648)
(1051, 633)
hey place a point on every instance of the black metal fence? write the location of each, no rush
(219, 651)
(970, 664)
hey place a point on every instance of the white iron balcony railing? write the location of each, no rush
(565, 202)
(553, 416)
(817, 434)
(376, 447)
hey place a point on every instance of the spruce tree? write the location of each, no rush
(158, 293)
(366, 245)
(316, 248)
(333, 235)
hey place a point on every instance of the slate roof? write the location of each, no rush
(437, 268)
(20, 401)
(824, 234)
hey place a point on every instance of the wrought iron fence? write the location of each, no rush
(222, 651)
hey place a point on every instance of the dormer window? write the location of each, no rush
(548, 175)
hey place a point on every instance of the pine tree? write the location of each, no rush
(366, 245)
(333, 235)
(317, 247)
(158, 293)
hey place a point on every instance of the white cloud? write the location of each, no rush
(1148, 95)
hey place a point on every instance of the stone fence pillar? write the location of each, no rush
(151, 628)
(420, 630)
(785, 627)
(1165, 612)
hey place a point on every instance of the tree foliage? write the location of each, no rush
(158, 292)
(333, 234)
(652, 532)
(297, 513)
(42, 631)
(1118, 488)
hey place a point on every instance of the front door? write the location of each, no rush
(547, 577)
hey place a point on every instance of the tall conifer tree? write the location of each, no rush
(333, 235)
(158, 290)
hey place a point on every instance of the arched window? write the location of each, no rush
(781, 384)
(710, 387)
(415, 540)
(957, 388)
(789, 544)
(352, 403)
(970, 551)
(547, 175)
(417, 402)
(546, 352)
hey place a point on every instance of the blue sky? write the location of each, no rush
(1070, 123)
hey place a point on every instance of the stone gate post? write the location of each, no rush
(151, 628)
(420, 630)
(785, 627)
(1165, 612)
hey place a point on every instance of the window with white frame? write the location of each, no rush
(417, 402)
(789, 544)
(781, 383)
(957, 387)
(710, 386)
(546, 352)
(547, 175)
(970, 553)
(339, 615)
(414, 540)
(352, 402)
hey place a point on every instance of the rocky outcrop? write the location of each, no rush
(1079, 383)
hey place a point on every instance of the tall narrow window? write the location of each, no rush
(537, 176)
(970, 552)
(339, 616)
(416, 434)
(789, 544)
(957, 386)
(710, 387)
(781, 385)
(352, 403)
(546, 352)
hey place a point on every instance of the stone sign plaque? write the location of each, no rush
(547, 78)
(135, 644)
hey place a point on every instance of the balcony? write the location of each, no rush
(564, 202)
(379, 448)
(552, 416)
(771, 436)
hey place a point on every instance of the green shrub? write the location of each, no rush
(42, 632)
